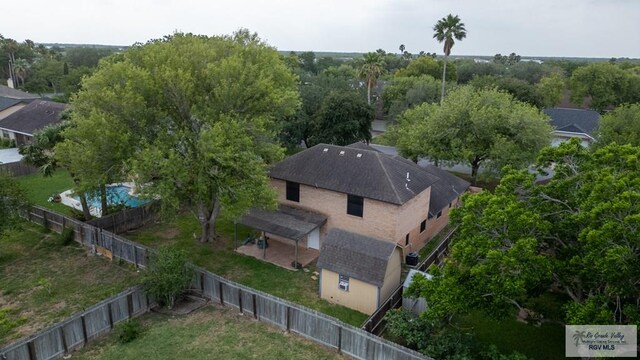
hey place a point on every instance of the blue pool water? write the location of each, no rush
(116, 194)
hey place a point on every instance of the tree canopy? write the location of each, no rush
(576, 234)
(343, 118)
(622, 126)
(192, 119)
(480, 127)
(606, 84)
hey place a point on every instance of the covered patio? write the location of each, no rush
(284, 229)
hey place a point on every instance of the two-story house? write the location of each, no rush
(362, 209)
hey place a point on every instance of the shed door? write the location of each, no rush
(313, 241)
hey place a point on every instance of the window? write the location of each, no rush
(5, 134)
(449, 205)
(439, 214)
(423, 225)
(293, 191)
(343, 282)
(406, 240)
(430, 216)
(355, 205)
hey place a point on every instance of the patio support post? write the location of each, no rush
(235, 235)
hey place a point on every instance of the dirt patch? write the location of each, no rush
(184, 306)
(169, 233)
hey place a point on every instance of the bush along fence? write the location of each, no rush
(323, 329)
(128, 219)
(375, 323)
(74, 332)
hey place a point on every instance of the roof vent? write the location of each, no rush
(359, 155)
(342, 153)
(408, 176)
(325, 150)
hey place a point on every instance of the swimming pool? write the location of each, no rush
(116, 195)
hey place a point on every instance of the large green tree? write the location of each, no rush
(621, 126)
(550, 90)
(403, 93)
(192, 119)
(577, 234)
(447, 30)
(343, 118)
(480, 127)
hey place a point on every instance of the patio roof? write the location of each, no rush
(288, 222)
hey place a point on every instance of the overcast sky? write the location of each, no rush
(580, 28)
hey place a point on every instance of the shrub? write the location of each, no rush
(66, 238)
(167, 275)
(129, 331)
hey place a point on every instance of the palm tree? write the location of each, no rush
(371, 70)
(447, 29)
(402, 47)
(20, 67)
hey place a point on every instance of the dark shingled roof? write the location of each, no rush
(574, 120)
(7, 92)
(446, 190)
(357, 171)
(357, 256)
(6, 103)
(289, 222)
(35, 116)
(443, 191)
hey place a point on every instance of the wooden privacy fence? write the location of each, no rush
(128, 219)
(18, 168)
(318, 327)
(375, 323)
(74, 332)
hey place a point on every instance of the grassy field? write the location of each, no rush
(209, 333)
(43, 281)
(219, 257)
(39, 188)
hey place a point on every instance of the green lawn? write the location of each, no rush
(545, 342)
(209, 333)
(219, 258)
(43, 281)
(39, 188)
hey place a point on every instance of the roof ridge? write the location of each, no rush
(386, 174)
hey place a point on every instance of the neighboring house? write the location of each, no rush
(361, 203)
(12, 100)
(573, 123)
(358, 271)
(21, 124)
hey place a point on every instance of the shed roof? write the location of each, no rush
(355, 170)
(574, 120)
(289, 222)
(33, 117)
(357, 256)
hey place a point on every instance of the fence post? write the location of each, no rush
(110, 315)
(130, 304)
(255, 307)
(288, 318)
(32, 350)
(44, 219)
(135, 257)
(339, 339)
(220, 286)
(84, 329)
(240, 299)
(64, 340)
(202, 282)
